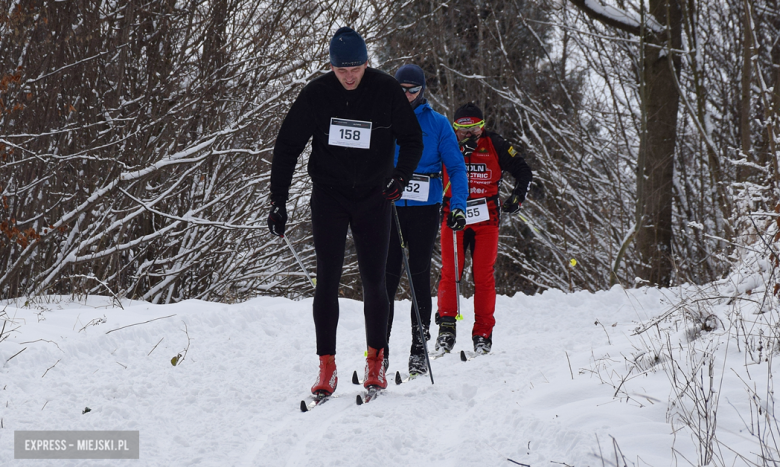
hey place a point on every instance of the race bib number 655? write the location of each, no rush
(477, 211)
(349, 133)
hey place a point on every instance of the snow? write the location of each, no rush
(630, 19)
(559, 388)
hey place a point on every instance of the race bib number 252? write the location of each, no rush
(418, 188)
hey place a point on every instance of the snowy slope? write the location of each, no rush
(554, 390)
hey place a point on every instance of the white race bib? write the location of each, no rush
(477, 211)
(417, 189)
(349, 133)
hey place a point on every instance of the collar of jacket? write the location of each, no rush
(422, 108)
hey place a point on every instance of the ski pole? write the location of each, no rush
(457, 274)
(411, 289)
(458, 317)
(300, 263)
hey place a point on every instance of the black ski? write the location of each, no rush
(437, 354)
(400, 380)
(313, 401)
(466, 355)
(370, 394)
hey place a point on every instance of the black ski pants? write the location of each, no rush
(367, 213)
(419, 226)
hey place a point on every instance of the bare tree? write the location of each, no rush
(136, 143)
(659, 30)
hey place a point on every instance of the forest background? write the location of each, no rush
(136, 137)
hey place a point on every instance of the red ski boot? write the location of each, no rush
(327, 379)
(375, 369)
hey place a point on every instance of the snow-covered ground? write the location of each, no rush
(559, 387)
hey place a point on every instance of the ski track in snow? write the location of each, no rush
(544, 395)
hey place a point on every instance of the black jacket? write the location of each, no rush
(378, 99)
(513, 161)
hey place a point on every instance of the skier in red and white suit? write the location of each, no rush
(486, 155)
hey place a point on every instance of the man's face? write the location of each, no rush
(350, 77)
(410, 96)
(463, 133)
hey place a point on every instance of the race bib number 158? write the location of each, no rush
(349, 133)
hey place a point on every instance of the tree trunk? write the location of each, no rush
(744, 106)
(654, 200)
(773, 120)
(660, 103)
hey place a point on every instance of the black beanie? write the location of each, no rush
(414, 75)
(347, 49)
(468, 110)
(410, 74)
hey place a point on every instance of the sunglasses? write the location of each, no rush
(412, 90)
(470, 126)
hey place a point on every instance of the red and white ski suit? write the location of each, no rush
(485, 166)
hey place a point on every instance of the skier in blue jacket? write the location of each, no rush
(418, 209)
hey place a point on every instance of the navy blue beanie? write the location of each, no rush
(347, 49)
(410, 74)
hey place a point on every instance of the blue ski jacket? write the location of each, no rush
(439, 145)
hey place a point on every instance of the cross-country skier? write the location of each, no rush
(354, 115)
(418, 209)
(486, 155)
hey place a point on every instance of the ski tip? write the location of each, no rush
(398, 379)
(355, 379)
(463, 356)
(304, 407)
(358, 400)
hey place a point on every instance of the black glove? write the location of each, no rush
(394, 188)
(468, 145)
(277, 218)
(456, 220)
(512, 204)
